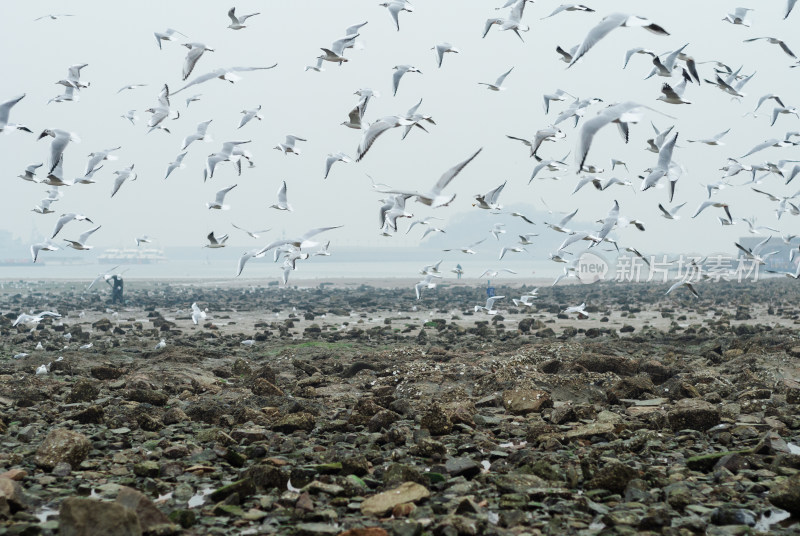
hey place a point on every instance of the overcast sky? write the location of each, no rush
(118, 45)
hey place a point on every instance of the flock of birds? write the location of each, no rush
(679, 68)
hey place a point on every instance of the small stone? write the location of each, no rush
(262, 387)
(435, 420)
(524, 401)
(462, 466)
(147, 396)
(147, 468)
(62, 445)
(82, 391)
(693, 414)
(294, 422)
(381, 503)
(175, 416)
(613, 476)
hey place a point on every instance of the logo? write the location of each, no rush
(591, 268)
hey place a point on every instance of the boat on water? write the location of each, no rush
(132, 256)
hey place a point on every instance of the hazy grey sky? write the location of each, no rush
(118, 44)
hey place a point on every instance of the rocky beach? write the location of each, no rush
(351, 408)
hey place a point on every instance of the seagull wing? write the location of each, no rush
(609, 23)
(450, 174)
(502, 77)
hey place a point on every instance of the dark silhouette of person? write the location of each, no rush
(116, 289)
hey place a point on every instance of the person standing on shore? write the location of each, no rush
(116, 289)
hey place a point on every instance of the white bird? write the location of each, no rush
(467, 249)
(161, 345)
(60, 140)
(122, 176)
(66, 218)
(561, 226)
(219, 200)
(130, 86)
(714, 140)
(166, 35)
(567, 55)
(228, 74)
(609, 23)
(237, 23)
(789, 6)
(498, 84)
(335, 53)
(26, 319)
(73, 79)
(608, 223)
(193, 98)
(395, 7)
(569, 7)
(303, 241)
(246, 256)
(684, 283)
(739, 16)
(55, 16)
(443, 48)
(30, 173)
(495, 273)
(196, 50)
(558, 95)
(488, 200)
(774, 142)
(415, 119)
(225, 154)
(774, 41)
(198, 314)
(80, 243)
(497, 230)
(426, 282)
(97, 157)
(214, 242)
(526, 299)
(513, 22)
(252, 234)
(375, 130)
(250, 114)
(434, 197)
(283, 203)
(662, 166)
(144, 239)
(546, 134)
(5, 109)
(161, 112)
(42, 246)
(332, 158)
(41, 370)
(200, 134)
(783, 110)
(176, 164)
(673, 95)
(131, 116)
(318, 67)
(70, 95)
(399, 71)
(718, 204)
(288, 146)
(670, 214)
(489, 304)
(505, 250)
(525, 240)
(754, 254)
(580, 309)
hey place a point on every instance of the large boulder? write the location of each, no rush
(62, 445)
(88, 517)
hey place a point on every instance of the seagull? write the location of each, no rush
(580, 309)
(30, 173)
(60, 140)
(443, 48)
(356, 115)
(498, 84)
(488, 200)
(765, 98)
(434, 197)
(65, 219)
(131, 116)
(318, 67)
(770, 143)
(609, 23)
(42, 246)
(302, 241)
(526, 299)
(144, 239)
(80, 243)
(227, 74)
(246, 256)
(73, 79)
(130, 86)
(431, 268)
(399, 71)
(714, 140)
(754, 253)
(375, 130)
(557, 96)
(196, 50)
(684, 283)
(774, 41)
(332, 159)
(789, 6)
(670, 214)
(673, 95)
(467, 249)
(505, 250)
(253, 234)
(546, 134)
(752, 228)
(200, 134)
(334, 54)
(161, 112)
(161, 345)
(193, 98)
(490, 301)
(662, 167)
(395, 7)
(97, 157)
(783, 110)
(425, 221)
(391, 210)
(739, 16)
(569, 7)
(414, 118)
(497, 230)
(220, 199)
(122, 176)
(176, 164)
(525, 239)
(282, 203)
(427, 282)
(214, 242)
(166, 35)
(561, 226)
(250, 114)
(54, 16)
(237, 23)
(288, 146)
(69, 95)
(608, 223)
(197, 314)
(224, 155)
(513, 22)
(5, 109)
(495, 273)
(717, 204)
